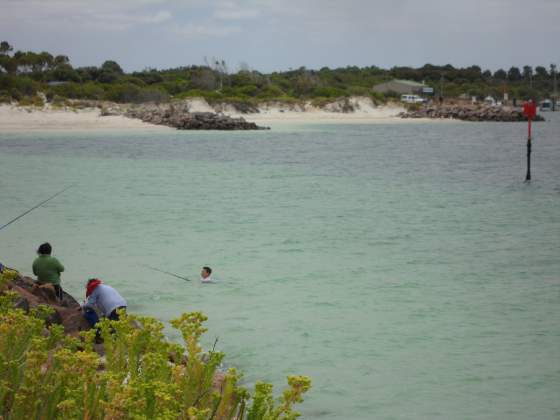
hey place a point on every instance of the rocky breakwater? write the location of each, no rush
(469, 113)
(30, 296)
(180, 117)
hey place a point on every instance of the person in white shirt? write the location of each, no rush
(206, 275)
(103, 298)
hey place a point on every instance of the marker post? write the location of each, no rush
(530, 111)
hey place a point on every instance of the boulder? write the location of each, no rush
(179, 117)
(469, 113)
(66, 312)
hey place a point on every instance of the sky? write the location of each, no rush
(276, 35)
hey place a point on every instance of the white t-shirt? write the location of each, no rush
(207, 279)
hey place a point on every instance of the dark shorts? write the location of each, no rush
(114, 316)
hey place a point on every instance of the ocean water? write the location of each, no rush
(407, 268)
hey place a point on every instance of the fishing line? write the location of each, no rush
(168, 273)
(33, 208)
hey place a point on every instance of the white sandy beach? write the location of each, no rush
(365, 112)
(14, 118)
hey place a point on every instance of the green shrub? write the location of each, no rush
(271, 91)
(89, 90)
(174, 87)
(32, 101)
(16, 94)
(328, 92)
(128, 92)
(143, 376)
(321, 102)
(59, 101)
(249, 90)
(377, 97)
(210, 96)
(358, 91)
(413, 107)
(5, 97)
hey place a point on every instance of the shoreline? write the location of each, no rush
(14, 118)
(28, 119)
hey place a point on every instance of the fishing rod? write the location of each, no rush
(33, 208)
(168, 273)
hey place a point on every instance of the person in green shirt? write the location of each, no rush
(48, 269)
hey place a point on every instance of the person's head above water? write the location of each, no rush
(206, 271)
(44, 249)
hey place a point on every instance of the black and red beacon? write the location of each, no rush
(529, 111)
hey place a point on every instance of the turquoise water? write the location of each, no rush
(405, 267)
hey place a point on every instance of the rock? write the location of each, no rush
(66, 312)
(178, 116)
(469, 113)
(107, 112)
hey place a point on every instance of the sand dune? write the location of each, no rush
(13, 118)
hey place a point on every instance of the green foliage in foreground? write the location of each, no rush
(45, 374)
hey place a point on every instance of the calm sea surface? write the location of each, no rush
(405, 267)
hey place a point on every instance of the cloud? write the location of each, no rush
(102, 14)
(236, 14)
(160, 17)
(276, 34)
(193, 31)
(231, 10)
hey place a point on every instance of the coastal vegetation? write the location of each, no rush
(47, 374)
(23, 74)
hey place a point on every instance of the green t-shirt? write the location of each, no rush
(47, 269)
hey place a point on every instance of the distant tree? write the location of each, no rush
(110, 72)
(65, 73)
(241, 78)
(88, 73)
(30, 62)
(7, 63)
(487, 75)
(405, 73)
(514, 74)
(149, 76)
(61, 60)
(204, 78)
(471, 73)
(500, 74)
(430, 72)
(552, 70)
(527, 72)
(305, 83)
(112, 67)
(5, 48)
(541, 73)
(554, 77)
(107, 77)
(220, 68)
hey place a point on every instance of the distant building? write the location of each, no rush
(404, 87)
(490, 101)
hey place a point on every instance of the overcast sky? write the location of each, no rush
(271, 35)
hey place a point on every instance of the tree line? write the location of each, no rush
(25, 73)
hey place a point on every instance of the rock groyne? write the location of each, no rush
(180, 117)
(469, 113)
(30, 296)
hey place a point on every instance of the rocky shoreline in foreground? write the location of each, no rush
(469, 113)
